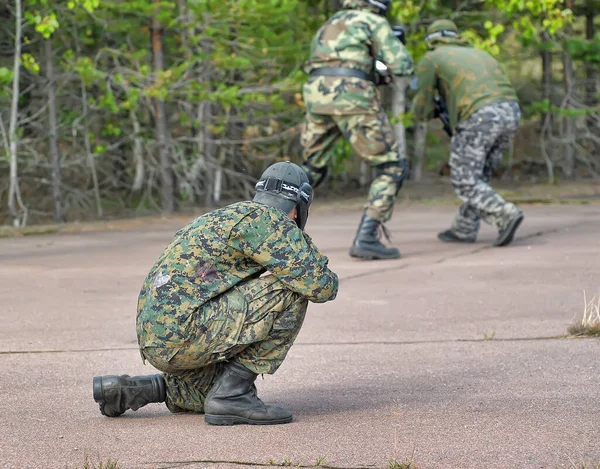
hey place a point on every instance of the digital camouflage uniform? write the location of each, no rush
(351, 107)
(484, 113)
(206, 301)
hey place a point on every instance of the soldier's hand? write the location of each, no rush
(382, 79)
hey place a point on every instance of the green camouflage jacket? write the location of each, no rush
(217, 251)
(468, 80)
(352, 38)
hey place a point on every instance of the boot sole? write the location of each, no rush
(357, 255)
(98, 395)
(457, 240)
(235, 420)
(509, 234)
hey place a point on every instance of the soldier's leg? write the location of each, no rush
(471, 148)
(272, 321)
(508, 225)
(254, 324)
(372, 138)
(319, 135)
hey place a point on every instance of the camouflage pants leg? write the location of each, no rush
(254, 324)
(477, 148)
(372, 138)
(318, 138)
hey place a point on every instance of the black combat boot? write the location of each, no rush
(367, 245)
(116, 394)
(233, 400)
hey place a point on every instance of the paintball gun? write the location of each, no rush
(441, 111)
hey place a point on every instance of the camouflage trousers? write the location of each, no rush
(254, 324)
(477, 147)
(371, 137)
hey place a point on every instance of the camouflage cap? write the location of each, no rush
(276, 194)
(442, 25)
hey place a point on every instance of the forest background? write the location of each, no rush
(116, 108)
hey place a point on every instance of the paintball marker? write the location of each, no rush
(400, 33)
(441, 111)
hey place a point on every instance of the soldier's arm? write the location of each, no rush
(289, 254)
(388, 49)
(423, 105)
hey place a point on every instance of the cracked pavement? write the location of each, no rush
(454, 355)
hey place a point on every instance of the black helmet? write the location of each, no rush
(285, 186)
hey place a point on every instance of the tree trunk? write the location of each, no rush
(86, 138)
(419, 150)
(569, 128)
(591, 87)
(14, 192)
(138, 155)
(399, 86)
(160, 119)
(57, 196)
(88, 151)
(546, 72)
(213, 172)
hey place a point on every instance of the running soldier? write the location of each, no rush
(484, 115)
(211, 322)
(342, 100)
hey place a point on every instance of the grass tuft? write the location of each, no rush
(585, 466)
(109, 464)
(406, 464)
(590, 324)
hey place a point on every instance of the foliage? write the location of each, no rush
(230, 80)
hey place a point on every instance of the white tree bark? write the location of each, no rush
(14, 193)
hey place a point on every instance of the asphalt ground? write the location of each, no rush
(454, 356)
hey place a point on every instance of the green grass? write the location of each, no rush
(406, 464)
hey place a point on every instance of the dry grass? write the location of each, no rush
(108, 464)
(590, 324)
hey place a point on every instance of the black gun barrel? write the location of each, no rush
(441, 111)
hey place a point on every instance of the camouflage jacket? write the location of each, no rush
(352, 38)
(217, 251)
(468, 79)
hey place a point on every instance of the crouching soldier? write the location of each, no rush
(211, 322)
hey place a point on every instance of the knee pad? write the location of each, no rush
(397, 170)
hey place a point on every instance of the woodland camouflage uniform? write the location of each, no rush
(484, 114)
(353, 38)
(204, 301)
